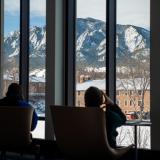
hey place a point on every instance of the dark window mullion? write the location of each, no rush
(111, 49)
(1, 44)
(70, 16)
(24, 46)
(50, 65)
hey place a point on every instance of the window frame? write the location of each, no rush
(69, 15)
(24, 46)
(110, 49)
(69, 38)
(1, 41)
(26, 71)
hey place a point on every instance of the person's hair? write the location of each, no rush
(15, 91)
(93, 97)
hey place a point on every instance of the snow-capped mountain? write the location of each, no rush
(36, 48)
(130, 39)
(91, 41)
(90, 44)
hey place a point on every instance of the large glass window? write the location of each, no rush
(10, 55)
(90, 47)
(133, 65)
(37, 61)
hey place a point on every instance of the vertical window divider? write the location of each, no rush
(1, 43)
(50, 66)
(24, 46)
(69, 39)
(111, 49)
(155, 77)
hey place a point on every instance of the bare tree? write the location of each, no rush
(133, 73)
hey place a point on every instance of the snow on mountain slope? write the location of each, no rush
(90, 44)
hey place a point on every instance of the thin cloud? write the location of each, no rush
(135, 12)
(11, 6)
(37, 7)
(91, 8)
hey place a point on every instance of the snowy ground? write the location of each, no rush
(126, 136)
(39, 131)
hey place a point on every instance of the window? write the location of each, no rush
(90, 46)
(130, 92)
(132, 41)
(12, 60)
(125, 103)
(79, 103)
(133, 57)
(37, 47)
(37, 61)
(133, 48)
(10, 55)
(139, 92)
(118, 102)
(139, 103)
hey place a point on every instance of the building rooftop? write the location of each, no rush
(121, 84)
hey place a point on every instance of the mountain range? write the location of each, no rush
(90, 44)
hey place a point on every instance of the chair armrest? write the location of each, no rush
(119, 152)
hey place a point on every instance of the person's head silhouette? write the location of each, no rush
(93, 97)
(15, 91)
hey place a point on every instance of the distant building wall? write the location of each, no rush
(34, 87)
(123, 100)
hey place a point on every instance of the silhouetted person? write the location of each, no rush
(14, 97)
(95, 97)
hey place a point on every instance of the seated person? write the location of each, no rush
(14, 97)
(95, 97)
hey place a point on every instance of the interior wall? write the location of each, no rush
(155, 75)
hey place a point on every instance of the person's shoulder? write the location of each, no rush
(24, 103)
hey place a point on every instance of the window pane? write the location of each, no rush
(37, 55)
(133, 60)
(90, 47)
(37, 62)
(39, 131)
(10, 54)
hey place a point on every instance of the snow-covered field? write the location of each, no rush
(127, 133)
(39, 132)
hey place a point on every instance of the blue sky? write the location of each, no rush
(12, 22)
(12, 14)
